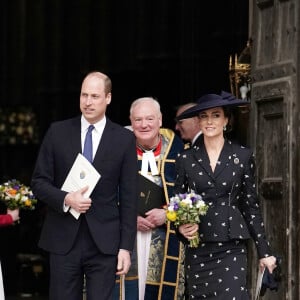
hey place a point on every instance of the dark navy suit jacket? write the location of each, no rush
(112, 215)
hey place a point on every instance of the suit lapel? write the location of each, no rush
(75, 136)
(203, 159)
(224, 159)
(105, 143)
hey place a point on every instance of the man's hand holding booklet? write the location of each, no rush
(81, 174)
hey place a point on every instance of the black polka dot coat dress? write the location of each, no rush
(217, 268)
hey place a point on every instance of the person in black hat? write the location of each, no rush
(223, 173)
(188, 128)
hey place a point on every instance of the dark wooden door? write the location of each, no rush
(275, 134)
(272, 166)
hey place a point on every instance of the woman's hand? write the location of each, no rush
(268, 262)
(14, 214)
(188, 230)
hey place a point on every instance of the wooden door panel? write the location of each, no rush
(271, 166)
(275, 107)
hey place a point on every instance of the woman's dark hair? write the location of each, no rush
(228, 114)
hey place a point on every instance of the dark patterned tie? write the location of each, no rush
(88, 144)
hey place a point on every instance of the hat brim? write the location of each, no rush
(212, 103)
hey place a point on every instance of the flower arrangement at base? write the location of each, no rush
(17, 195)
(18, 126)
(187, 209)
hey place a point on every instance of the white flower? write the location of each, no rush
(187, 201)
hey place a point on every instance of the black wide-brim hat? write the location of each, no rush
(208, 101)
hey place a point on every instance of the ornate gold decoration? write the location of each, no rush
(239, 73)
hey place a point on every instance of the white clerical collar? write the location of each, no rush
(148, 159)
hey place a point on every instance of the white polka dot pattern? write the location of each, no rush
(233, 214)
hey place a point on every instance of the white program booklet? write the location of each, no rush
(81, 174)
(260, 276)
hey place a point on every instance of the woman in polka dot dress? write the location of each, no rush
(223, 173)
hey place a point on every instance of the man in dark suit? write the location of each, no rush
(97, 245)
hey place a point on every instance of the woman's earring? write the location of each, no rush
(224, 128)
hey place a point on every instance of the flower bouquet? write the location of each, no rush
(16, 195)
(187, 209)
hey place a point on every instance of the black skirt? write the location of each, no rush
(217, 271)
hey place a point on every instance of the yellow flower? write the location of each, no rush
(171, 215)
(27, 202)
